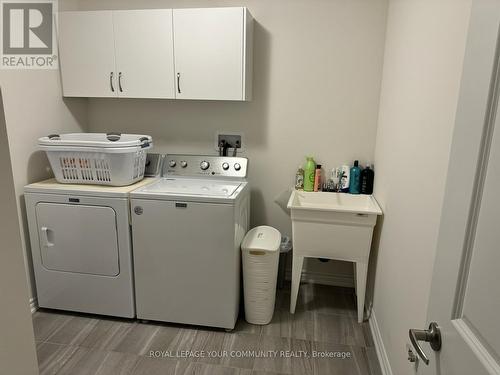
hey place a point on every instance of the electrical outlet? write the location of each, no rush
(233, 140)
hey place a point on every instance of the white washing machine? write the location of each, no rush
(187, 228)
(81, 246)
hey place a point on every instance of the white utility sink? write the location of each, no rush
(333, 226)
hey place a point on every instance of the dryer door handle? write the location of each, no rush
(47, 237)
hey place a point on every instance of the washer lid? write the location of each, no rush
(187, 186)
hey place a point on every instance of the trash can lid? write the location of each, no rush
(262, 238)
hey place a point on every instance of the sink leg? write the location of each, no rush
(296, 273)
(361, 272)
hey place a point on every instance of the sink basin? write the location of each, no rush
(337, 202)
(332, 226)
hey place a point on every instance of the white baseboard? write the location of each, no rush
(33, 305)
(324, 278)
(379, 345)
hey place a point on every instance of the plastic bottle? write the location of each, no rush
(354, 183)
(317, 178)
(299, 178)
(345, 173)
(331, 185)
(309, 171)
(336, 174)
(367, 177)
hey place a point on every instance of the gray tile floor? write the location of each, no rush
(324, 323)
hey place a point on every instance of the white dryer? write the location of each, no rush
(81, 247)
(187, 228)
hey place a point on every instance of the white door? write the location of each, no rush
(78, 238)
(87, 53)
(144, 53)
(465, 295)
(208, 52)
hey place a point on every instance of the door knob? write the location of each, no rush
(431, 335)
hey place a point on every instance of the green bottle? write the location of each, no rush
(309, 170)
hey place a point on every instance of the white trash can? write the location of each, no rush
(261, 250)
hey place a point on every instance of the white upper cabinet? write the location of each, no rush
(132, 53)
(87, 53)
(144, 53)
(117, 53)
(211, 46)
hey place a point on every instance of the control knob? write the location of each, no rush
(172, 163)
(184, 164)
(237, 166)
(204, 165)
(225, 166)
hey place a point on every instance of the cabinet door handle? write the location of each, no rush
(111, 82)
(179, 83)
(120, 82)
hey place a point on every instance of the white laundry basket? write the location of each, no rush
(97, 158)
(261, 250)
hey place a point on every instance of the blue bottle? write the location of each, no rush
(355, 179)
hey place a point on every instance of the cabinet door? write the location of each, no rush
(144, 53)
(209, 53)
(86, 50)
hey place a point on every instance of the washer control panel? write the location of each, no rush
(205, 165)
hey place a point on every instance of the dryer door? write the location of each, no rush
(78, 238)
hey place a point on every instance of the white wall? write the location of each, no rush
(425, 44)
(34, 107)
(17, 341)
(317, 71)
